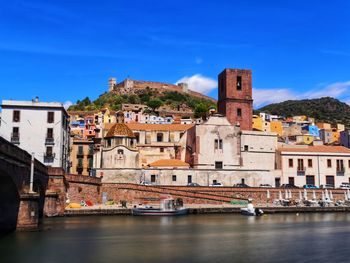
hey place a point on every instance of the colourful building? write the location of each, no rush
(257, 123)
(276, 126)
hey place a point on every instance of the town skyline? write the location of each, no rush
(75, 48)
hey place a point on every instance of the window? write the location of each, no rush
(215, 182)
(329, 163)
(174, 178)
(120, 151)
(15, 132)
(153, 178)
(16, 116)
(80, 150)
(340, 165)
(218, 144)
(291, 180)
(330, 179)
(91, 162)
(242, 181)
(301, 165)
(349, 163)
(246, 148)
(80, 162)
(218, 165)
(109, 142)
(50, 117)
(310, 179)
(290, 162)
(49, 151)
(239, 83)
(49, 133)
(159, 137)
(239, 112)
(309, 163)
(189, 179)
(161, 149)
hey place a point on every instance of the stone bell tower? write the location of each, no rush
(235, 97)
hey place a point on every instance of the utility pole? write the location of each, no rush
(31, 174)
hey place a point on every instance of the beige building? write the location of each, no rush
(160, 141)
(119, 149)
(316, 165)
(81, 156)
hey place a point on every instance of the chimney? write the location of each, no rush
(111, 83)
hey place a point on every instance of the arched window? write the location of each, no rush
(159, 137)
(120, 151)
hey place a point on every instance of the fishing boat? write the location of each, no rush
(167, 208)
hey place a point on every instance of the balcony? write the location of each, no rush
(340, 171)
(301, 171)
(49, 141)
(49, 157)
(15, 138)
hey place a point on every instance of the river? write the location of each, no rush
(193, 238)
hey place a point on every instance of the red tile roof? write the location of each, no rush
(321, 148)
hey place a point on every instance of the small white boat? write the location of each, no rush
(251, 211)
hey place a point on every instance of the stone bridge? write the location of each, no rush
(18, 207)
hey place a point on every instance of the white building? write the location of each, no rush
(39, 127)
(317, 165)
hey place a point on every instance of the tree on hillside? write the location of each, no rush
(201, 111)
(154, 104)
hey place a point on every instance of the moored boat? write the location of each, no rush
(251, 211)
(167, 208)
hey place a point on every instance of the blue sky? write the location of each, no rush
(66, 50)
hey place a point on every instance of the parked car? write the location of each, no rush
(265, 186)
(327, 186)
(344, 186)
(193, 184)
(241, 185)
(289, 186)
(216, 184)
(310, 186)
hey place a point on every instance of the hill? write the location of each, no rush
(148, 96)
(324, 109)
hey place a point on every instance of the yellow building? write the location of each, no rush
(305, 139)
(257, 123)
(335, 135)
(81, 156)
(276, 126)
(105, 116)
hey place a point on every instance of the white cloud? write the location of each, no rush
(199, 83)
(339, 90)
(267, 96)
(67, 104)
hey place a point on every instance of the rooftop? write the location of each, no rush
(119, 129)
(317, 149)
(159, 127)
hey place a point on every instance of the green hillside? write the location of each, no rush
(148, 97)
(325, 109)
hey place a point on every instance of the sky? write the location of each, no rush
(66, 50)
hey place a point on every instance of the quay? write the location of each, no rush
(205, 209)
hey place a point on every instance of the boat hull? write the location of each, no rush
(158, 212)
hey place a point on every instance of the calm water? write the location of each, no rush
(193, 238)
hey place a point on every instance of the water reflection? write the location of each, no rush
(201, 238)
